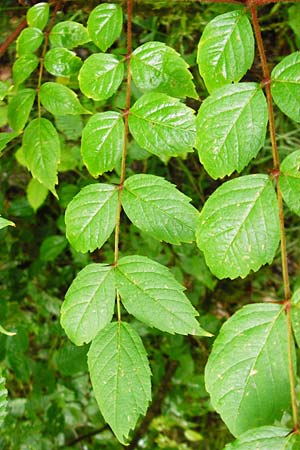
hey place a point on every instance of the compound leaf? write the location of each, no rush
(68, 34)
(23, 67)
(226, 49)
(89, 303)
(264, 438)
(285, 85)
(37, 16)
(155, 206)
(29, 40)
(150, 292)
(120, 376)
(102, 142)
(231, 128)
(91, 216)
(60, 100)
(247, 372)
(100, 76)
(19, 108)
(157, 67)
(238, 230)
(62, 62)
(289, 181)
(105, 25)
(41, 149)
(162, 125)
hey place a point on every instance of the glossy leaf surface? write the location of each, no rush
(60, 100)
(226, 49)
(68, 34)
(102, 142)
(150, 292)
(154, 205)
(89, 303)
(91, 216)
(19, 108)
(231, 128)
(247, 372)
(23, 67)
(162, 125)
(100, 76)
(157, 67)
(289, 181)
(264, 438)
(105, 25)
(238, 230)
(120, 376)
(62, 62)
(37, 16)
(285, 85)
(29, 40)
(42, 151)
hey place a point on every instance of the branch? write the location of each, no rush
(12, 37)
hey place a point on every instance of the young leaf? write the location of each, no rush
(3, 400)
(42, 150)
(162, 125)
(247, 372)
(19, 108)
(289, 181)
(91, 216)
(23, 67)
(5, 138)
(102, 142)
(60, 100)
(105, 25)
(157, 67)
(89, 303)
(5, 223)
(36, 194)
(37, 16)
(231, 128)
(264, 438)
(150, 292)
(29, 40)
(226, 49)
(68, 34)
(238, 229)
(155, 206)
(62, 62)
(120, 376)
(100, 76)
(285, 85)
(296, 315)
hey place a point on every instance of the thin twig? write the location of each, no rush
(12, 37)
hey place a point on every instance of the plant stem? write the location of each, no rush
(276, 171)
(124, 152)
(12, 37)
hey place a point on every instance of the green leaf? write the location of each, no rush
(19, 108)
(3, 400)
(71, 360)
(226, 49)
(4, 88)
(68, 34)
(120, 376)
(263, 438)
(150, 292)
(42, 150)
(89, 303)
(5, 223)
(36, 194)
(23, 67)
(60, 100)
(285, 85)
(102, 142)
(37, 16)
(247, 373)
(52, 247)
(162, 125)
(100, 76)
(5, 138)
(157, 67)
(155, 206)
(105, 25)
(289, 181)
(296, 315)
(29, 40)
(91, 216)
(231, 128)
(7, 333)
(238, 229)
(70, 126)
(62, 62)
